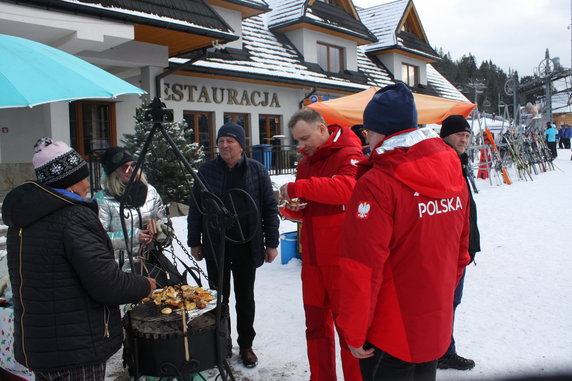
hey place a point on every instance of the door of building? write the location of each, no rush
(92, 126)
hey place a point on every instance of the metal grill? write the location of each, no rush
(155, 344)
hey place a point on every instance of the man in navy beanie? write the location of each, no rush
(456, 132)
(233, 170)
(404, 244)
(232, 130)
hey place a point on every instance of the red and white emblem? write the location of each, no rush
(363, 209)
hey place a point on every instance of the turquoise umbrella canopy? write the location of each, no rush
(32, 73)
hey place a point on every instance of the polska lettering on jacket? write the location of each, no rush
(444, 205)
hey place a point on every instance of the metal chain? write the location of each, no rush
(188, 255)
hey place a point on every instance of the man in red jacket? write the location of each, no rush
(324, 183)
(404, 244)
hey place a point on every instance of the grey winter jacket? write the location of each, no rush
(67, 286)
(109, 217)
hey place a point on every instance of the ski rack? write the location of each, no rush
(524, 148)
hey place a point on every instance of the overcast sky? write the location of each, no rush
(513, 34)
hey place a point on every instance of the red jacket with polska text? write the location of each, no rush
(404, 247)
(325, 181)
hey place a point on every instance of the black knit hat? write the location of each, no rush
(392, 109)
(57, 164)
(234, 131)
(115, 157)
(453, 124)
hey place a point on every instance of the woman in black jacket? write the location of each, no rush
(67, 285)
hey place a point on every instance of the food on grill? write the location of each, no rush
(180, 296)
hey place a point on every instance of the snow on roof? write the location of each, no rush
(382, 20)
(375, 75)
(276, 58)
(284, 11)
(443, 87)
(253, 3)
(220, 27)
(272, 56)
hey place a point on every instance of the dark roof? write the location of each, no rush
(338, 16)
(413, 42)
(291, 12)
(189, 16)
(271, 57)
(254, 4)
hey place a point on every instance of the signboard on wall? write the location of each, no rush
(316, 98)
(178, 92)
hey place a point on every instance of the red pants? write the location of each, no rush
(319, 289)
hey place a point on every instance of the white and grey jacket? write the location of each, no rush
(153, 208)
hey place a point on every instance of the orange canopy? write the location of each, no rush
(348, 111)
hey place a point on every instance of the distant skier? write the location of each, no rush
(550, 134)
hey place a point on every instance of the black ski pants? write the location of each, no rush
(384, 367)
(552, 146)
(238, 261)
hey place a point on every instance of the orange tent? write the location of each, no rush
(348, 111)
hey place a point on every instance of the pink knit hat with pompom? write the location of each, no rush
(57, 164)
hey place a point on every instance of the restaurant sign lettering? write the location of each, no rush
(178, 92)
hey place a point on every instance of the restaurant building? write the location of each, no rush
(254, 62)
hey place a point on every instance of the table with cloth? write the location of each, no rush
(7, 360)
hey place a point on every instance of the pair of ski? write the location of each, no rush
(522, 165)
(489, 139)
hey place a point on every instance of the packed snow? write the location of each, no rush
(515, 318)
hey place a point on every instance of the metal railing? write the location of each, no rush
(277, 159)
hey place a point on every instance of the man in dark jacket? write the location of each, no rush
(233, 170)
(456, 132)
(67, 285)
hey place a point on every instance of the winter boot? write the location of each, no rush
(248, 357)
(455, 361)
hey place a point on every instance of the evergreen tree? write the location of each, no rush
(161, 165)
(465, 74)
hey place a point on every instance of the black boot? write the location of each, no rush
(455, 361)
(248, 357)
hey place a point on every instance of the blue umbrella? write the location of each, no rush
(32, 73)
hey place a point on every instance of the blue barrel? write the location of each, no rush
(288, 246)
(263, 154)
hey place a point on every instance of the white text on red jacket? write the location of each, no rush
(444, 205)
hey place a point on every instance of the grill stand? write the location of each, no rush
(220, 218)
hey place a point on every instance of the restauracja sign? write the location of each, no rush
(178, 92)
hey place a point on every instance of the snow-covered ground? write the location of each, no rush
(516, 314)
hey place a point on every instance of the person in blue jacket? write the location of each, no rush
(566, 135)
(550, 134)
(560, 137)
